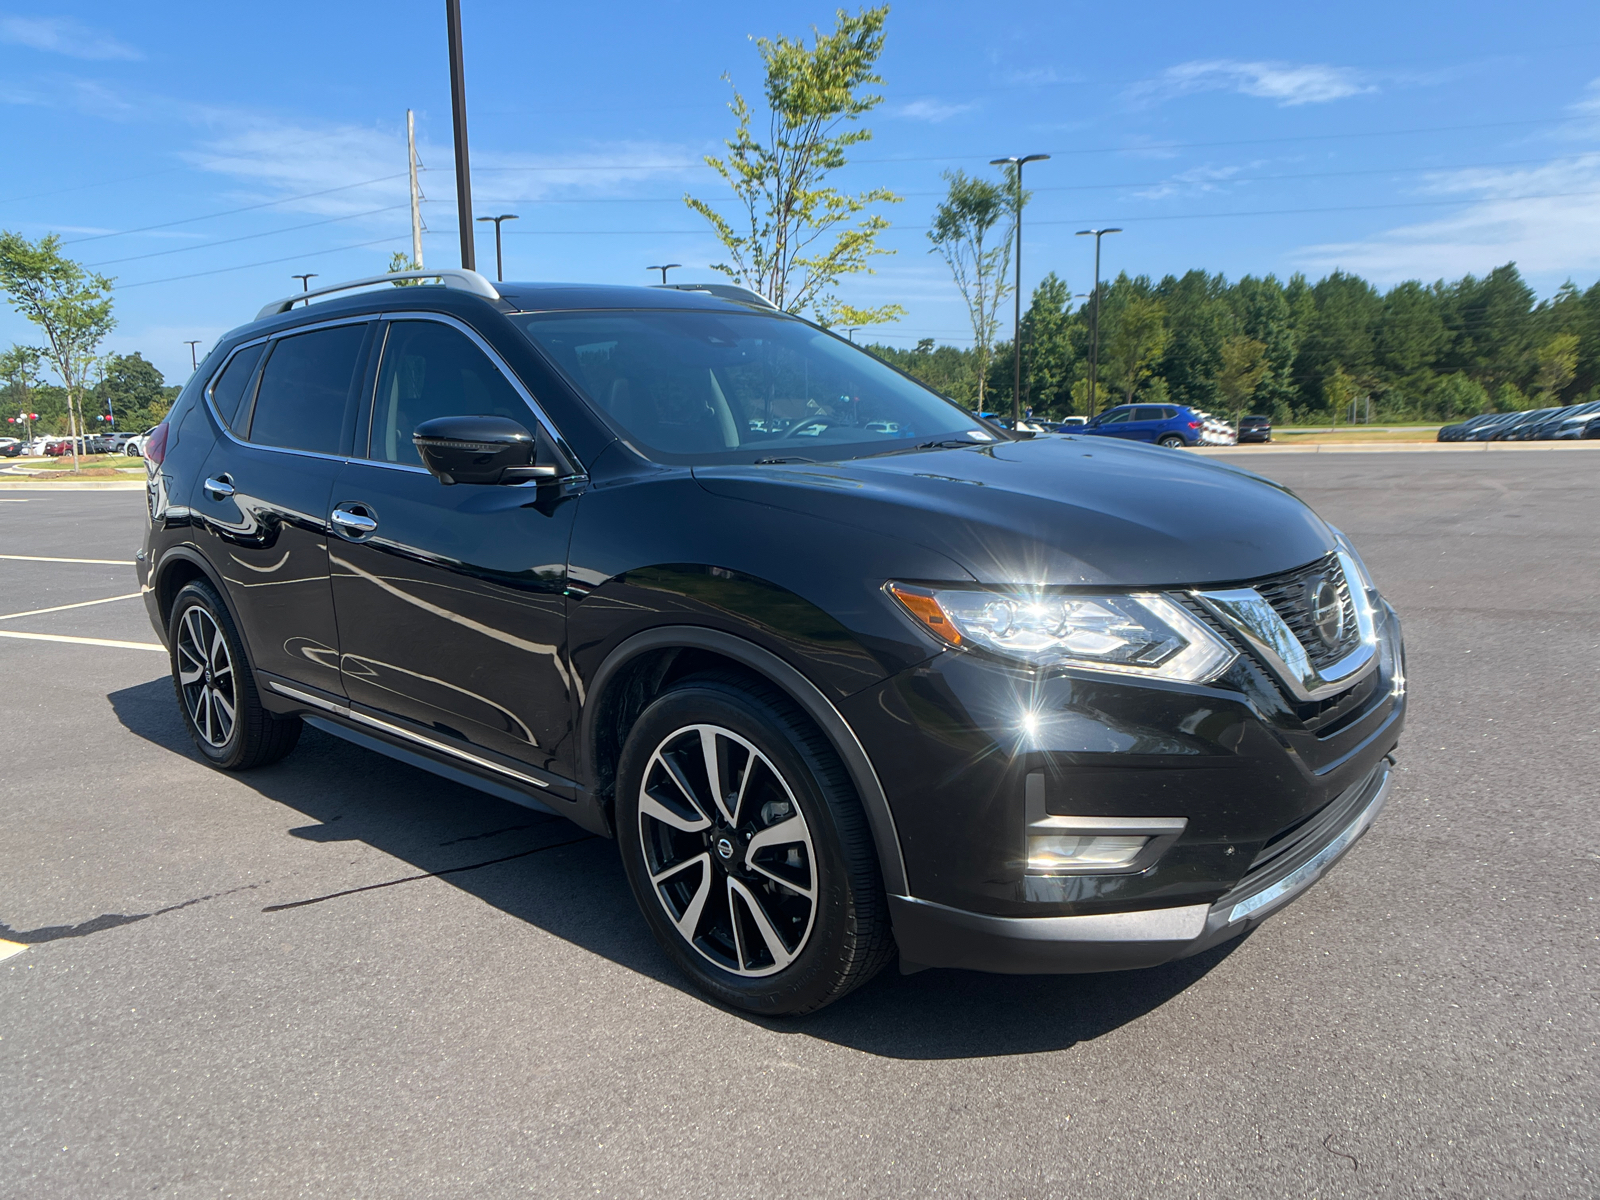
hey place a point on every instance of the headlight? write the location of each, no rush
(1124, 633)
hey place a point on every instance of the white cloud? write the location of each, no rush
(929, 110)
(63, 35)
(1545, 219)
(1193, 182)
(1287, 83)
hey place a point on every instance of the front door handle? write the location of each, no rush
(353, 521)
(218, 487)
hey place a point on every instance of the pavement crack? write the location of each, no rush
(55, 933)
(478, 837)
(1354, 1165)
(372, 887)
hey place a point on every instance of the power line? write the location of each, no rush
(123, 287)
(246, 237)
(233, 211)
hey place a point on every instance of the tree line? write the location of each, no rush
(1294, 351)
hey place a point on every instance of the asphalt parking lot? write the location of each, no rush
(302, 982)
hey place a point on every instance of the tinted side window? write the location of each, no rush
(1149, 413)
(228, 390)
(431, 370)
(1116, 416)
(304, 389)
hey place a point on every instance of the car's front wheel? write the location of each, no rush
(747, 849)
(1172, 441)
(216, 689)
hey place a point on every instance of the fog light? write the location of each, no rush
(1059, 852)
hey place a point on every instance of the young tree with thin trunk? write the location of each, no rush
(1135, 344)
(71, 306)
(964, 234)
(814, 94)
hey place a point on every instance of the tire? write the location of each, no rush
(727, 898)
(216, 689)
(1172, 442)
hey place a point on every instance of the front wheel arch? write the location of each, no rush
(644, 650)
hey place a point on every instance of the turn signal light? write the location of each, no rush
(926, 609)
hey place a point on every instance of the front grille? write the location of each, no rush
(1290, 595)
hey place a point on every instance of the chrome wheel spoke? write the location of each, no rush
(792, 832)
(649, 806)
(205, 675)
(689, 923)
(740, 957)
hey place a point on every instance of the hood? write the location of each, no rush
(1056, 510)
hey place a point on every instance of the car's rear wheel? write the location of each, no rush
(1172, 441)
(747, 849)
(215, 687)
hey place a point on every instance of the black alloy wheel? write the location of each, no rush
(1172, 441)
(747, 849)
(216, 689)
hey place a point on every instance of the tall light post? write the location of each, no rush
(499, 264)
(194, 362)
(305, 280)
(1016, 316)
(664, 268)
(458, 120)
(1094, 315)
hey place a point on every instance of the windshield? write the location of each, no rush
(690, 386)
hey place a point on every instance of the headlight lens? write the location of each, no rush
(1124, 633)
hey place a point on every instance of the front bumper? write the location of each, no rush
(935, 935)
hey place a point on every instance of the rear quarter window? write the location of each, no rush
(306, 387)
(228, 390)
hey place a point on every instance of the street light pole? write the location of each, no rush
(1094, 315)
(194, 363)
(458, 115)
(499, 264)
(305, 280)
(664, 268)
(1016, 316)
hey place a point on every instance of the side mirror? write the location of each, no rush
(479, 450)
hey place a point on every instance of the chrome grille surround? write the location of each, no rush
(1249, 613)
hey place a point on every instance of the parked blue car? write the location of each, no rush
(1164, 424)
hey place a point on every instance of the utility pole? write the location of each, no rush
(458, 117)
(664, 268)
(499, 263)
(305, 280)
(1094, 316)
(416, 191)
(1016, 320)
(194, 362)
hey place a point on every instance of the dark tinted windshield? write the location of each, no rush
(692, 386)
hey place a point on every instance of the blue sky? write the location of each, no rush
(237, 144)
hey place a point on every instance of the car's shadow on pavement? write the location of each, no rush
(545, 871)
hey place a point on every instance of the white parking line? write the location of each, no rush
(7, 949)
(36, 612)
(101, 562)
(83, 641)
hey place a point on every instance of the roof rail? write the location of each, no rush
(723, 291)
(451, 277)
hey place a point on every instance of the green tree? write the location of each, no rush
(1134, 342)
(19, 367)
(814, 97)
(964, 235)
(1340, 333)
(401, 261)
(1456, 396)
(133, 391)
(945, 369)
(1048, 359)
(1558, 364)
(1199, 320)
(70, 306)
(1263, 313)
(1244, 366)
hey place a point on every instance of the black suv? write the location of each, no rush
(844, 670)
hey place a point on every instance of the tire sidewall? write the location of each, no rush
(815, 975)
(202, 595)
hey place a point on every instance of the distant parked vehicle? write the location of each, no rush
(10, 447)
(1566, 424)
(134, 446)
(1525, 422)
(1591, 428)
(120, 440)
(1171, 425)
(1460, 429)
(1485, 431)
(1255, 429)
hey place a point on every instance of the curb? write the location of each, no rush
(1400, 448)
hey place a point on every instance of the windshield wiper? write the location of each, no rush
(950, 444)
(772, 462)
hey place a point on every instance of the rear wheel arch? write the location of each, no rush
(644, 665)
(181, 566)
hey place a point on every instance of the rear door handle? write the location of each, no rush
(353, 521)
(219, 487)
